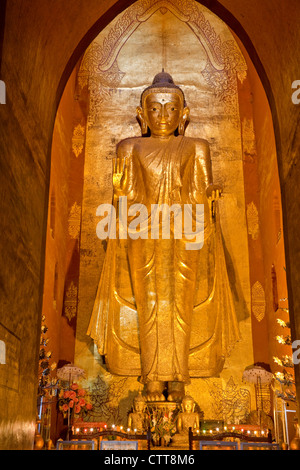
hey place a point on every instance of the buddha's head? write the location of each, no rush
(139, 403)
(188, 404)
(163, 109)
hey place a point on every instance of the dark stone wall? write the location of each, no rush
(22, 186)
(37, 45)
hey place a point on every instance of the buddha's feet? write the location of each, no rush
(155, 390)
(175, 391)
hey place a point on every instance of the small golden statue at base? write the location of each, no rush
(188, 418)
(137, 419)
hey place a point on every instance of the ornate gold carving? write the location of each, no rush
(70, 303)
(223, 80)
(78, 140)
(100, 72)
(101, 83)
(242, 75)
(106, 394)
(74, 221)
(248, 140)
(252, 220)
(258, 301)
(230, 403)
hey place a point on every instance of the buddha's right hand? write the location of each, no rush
(120, 173)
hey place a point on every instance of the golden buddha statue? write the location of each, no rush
(179, 298)
(137, 419)
(188, 418)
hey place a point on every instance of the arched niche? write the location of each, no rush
(222, 88)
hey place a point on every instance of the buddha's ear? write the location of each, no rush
(141, 118)
(183, 120)
(186, 113)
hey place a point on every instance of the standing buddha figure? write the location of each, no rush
(178, 296)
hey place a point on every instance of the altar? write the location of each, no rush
(97, 436)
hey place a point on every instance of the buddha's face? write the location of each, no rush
(163, 112)
(188, 406)
(139, 406)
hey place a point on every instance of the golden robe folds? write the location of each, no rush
(163, 312)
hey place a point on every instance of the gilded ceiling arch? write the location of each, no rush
(215, 7)
(224, 60)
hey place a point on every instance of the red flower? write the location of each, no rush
(77, 409)
(81, 392)
(89, 406)
(71, 403)
(74, 387)
(67, 394)
(81, 402)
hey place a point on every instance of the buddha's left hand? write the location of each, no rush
(214, 192)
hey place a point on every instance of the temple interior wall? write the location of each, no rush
(39, 48)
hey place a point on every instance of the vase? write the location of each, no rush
(295, 444)
(38, 439)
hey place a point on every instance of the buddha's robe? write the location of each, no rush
(162, 311)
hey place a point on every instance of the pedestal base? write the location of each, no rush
(163, 405)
